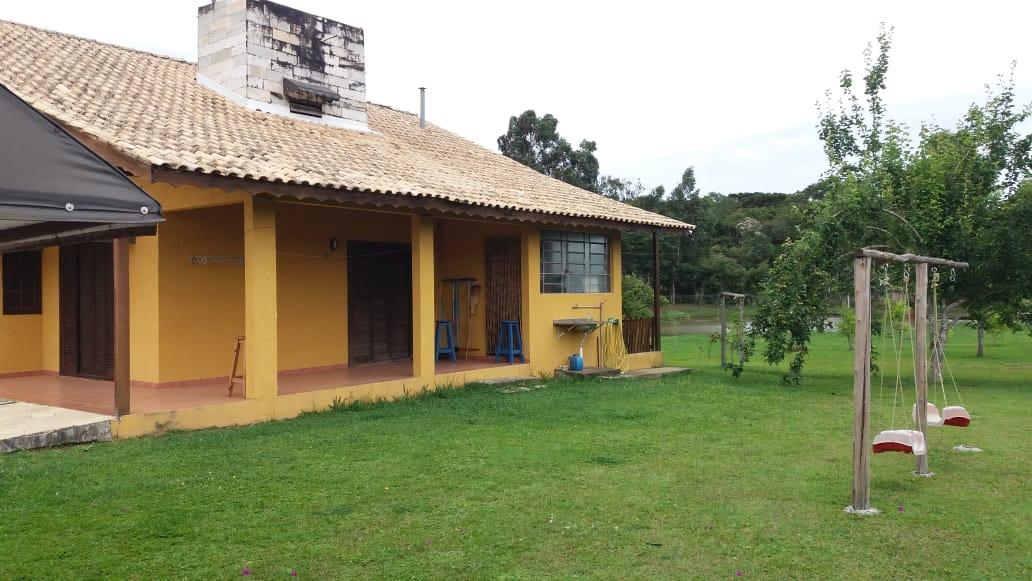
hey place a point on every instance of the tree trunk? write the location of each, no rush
(981, 340)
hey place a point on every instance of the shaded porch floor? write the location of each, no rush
(90, 395)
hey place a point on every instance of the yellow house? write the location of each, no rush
(325, 235)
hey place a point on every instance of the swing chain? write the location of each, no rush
(906, 272)
(953, 275)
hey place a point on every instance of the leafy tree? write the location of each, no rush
(941, 198)
(535, 142)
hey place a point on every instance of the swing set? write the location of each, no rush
(924, 413)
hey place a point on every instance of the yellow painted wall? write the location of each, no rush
(51, 345)
(185, 317)
(460, 252)
(144, 340)
(312, 279)
(546, 350)
(201, 307)
(21, 340)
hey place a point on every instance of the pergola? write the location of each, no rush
(55, 191)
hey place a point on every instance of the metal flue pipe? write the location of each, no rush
(422, 107)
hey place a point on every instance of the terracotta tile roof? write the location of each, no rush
(151, 108)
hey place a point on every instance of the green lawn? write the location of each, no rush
(700, 476)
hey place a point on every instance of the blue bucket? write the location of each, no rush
(576, 362)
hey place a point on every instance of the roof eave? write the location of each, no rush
(394, 200)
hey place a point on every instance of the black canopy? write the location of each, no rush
(54, 190)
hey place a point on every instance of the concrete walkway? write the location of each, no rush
(24, 426)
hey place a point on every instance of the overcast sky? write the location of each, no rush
(729, 87)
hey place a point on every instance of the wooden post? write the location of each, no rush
(723, 332)
(741, 334)
(120, 258)
(862, 386)
(921, 359)
(655, 291)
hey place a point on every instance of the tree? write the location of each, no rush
(535, 142)
(941, 198)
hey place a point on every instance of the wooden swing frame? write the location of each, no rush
(863, 264)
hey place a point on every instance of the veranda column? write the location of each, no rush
(530, 291)
(424, 352)
(260, 316)
(120, 259)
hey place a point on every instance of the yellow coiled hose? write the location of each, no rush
(614, 351)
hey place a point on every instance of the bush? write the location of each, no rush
(637, 298)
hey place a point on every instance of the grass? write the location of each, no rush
(698, 476)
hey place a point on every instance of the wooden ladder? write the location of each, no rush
(233, 377)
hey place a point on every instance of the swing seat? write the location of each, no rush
(932, 413)
(905, 441)
(956, 416)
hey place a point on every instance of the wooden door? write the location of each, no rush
(503, 291)
(87, 318)
(379, 302)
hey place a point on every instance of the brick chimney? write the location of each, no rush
(273, 58)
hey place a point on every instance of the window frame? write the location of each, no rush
(574, 262)
(24, 269)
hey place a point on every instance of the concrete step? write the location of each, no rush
(508, 380)
(588, 372)
(26, 426)
(653, 373)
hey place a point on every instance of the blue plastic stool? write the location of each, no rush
(449, 340)
(509, 342)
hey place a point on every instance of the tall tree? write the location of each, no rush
(941, 197)
(535, 142)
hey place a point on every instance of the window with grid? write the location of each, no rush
(574, 262)
(22, 283)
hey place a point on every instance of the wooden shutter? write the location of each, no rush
(87, 311)
(69, 309)
(503, 292)
(379, 302)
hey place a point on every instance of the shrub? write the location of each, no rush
(847, 324)
(637, 297)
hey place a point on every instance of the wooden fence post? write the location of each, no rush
(741, 331)
(656, 331)
(723, 333)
